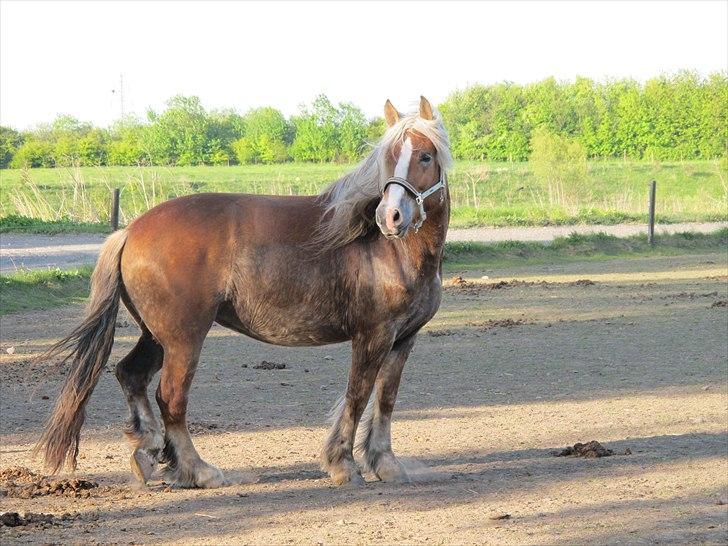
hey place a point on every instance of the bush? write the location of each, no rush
(93, 148)
(10, 141)
(556, 158)
(272, 151)
(124, 152)
(244, 151)
(34, 153)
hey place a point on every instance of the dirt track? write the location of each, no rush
(636, 360)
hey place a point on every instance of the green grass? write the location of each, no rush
(28, 290)
(483, 193)
(576, 247)
(22, 224)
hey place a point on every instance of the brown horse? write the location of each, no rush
(295, 271)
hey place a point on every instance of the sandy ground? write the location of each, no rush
(637, 360)
(65, 251)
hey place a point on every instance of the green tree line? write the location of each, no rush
(681, 116)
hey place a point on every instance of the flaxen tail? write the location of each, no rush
(87, 348)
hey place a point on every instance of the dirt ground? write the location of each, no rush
(506, 376)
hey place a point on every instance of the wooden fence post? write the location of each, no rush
(115, 210)
(651, 227)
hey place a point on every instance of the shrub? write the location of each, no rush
(10, 141)
(244, 151)
(34, 153)
(556, 158)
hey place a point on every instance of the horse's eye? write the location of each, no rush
(425, 158)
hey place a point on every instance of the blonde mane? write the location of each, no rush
(347, 199)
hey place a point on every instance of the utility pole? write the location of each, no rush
(121, 93)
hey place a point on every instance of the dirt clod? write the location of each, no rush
(265, 365)
(444, 332)
(500, 517)
(719, 303)
(10, 519)
(476, 288)
(15, 519)
(19, 482)
(499, 323)
(590, 450)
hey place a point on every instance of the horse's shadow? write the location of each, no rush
(455, 478)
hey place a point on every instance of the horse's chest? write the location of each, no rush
(415, 302)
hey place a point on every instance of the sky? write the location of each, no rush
(68, 57)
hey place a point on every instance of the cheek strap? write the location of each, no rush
(419, 196)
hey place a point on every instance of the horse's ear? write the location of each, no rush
(426, 109)
(390, 113)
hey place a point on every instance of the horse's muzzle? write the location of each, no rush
(391, 222)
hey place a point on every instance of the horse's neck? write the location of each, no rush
(424, 249)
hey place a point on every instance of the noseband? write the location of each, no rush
(419, 196)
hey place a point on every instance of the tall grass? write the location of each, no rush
(482, 193)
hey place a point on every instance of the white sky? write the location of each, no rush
(65, 57)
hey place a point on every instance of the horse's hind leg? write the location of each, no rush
(185, 468)
(375, 440)
(142, 430)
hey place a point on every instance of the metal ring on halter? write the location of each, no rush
(419, 196)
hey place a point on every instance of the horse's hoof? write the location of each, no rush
(347, 478)
(202, 475)
(389, 469)
(209, 477)
(393, 475)
(142, 465)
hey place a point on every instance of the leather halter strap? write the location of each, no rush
(419, 196)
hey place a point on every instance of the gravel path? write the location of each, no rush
(66, 251)
(544, 234)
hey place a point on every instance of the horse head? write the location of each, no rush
(415, 171)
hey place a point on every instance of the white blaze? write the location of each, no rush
(396, 192)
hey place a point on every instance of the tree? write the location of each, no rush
(266, 134)
(10, 141)
(177, 136)
(34, 153)
(223, 128)
(375, 130)
(352, 131)
(326, 133)
(93, 148)
(315, 132)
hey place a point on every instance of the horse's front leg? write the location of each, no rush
(375, 437)
(369, 350)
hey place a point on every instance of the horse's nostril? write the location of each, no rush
(396, 216)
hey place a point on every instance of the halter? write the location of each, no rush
(419, 196)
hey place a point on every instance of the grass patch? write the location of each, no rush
(23, 224)
(28, 290)
(577, 247)
(483, 193)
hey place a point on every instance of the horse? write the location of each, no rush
(359, 262)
